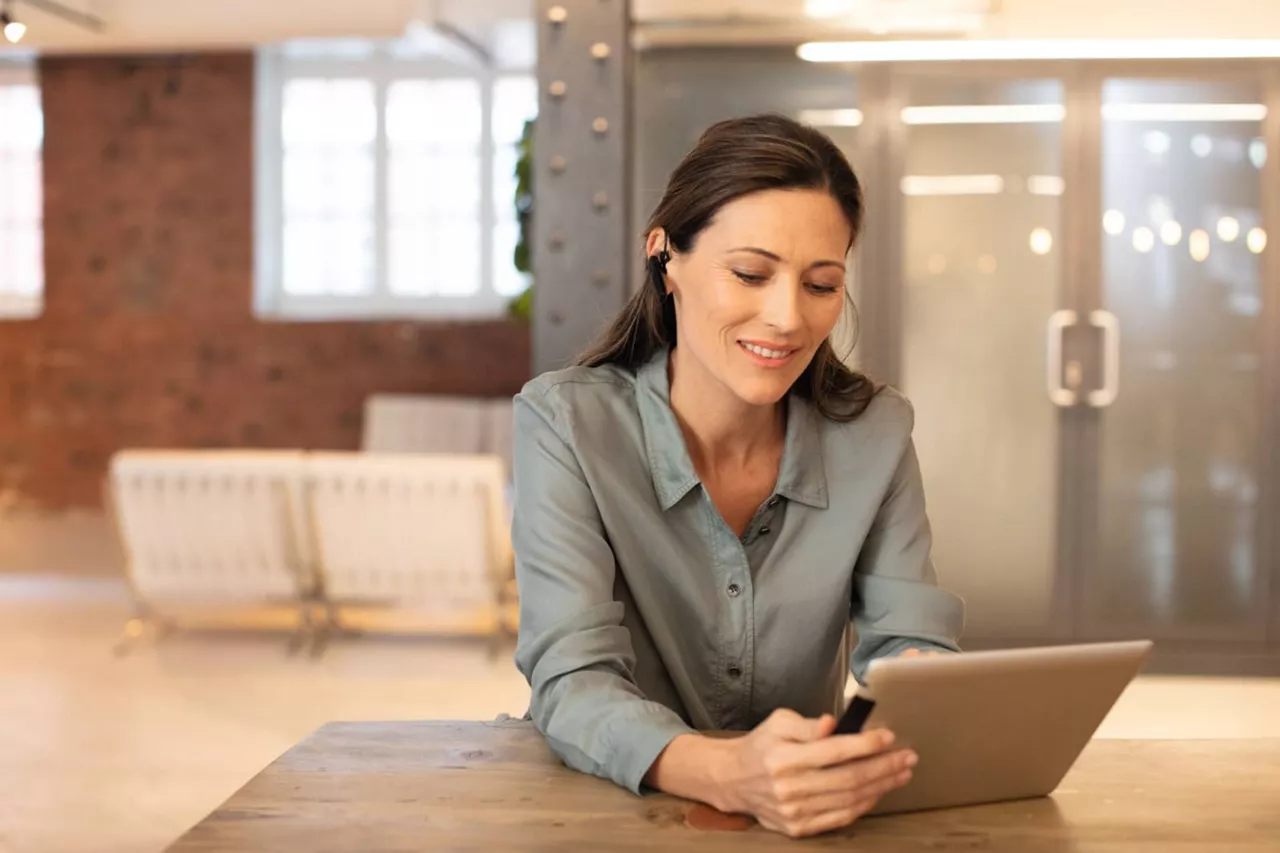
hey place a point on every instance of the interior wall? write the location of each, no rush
(147, 337)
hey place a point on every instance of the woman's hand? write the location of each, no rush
(918, 653)
(798, 779)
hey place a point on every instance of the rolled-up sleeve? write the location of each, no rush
(897, 602)
(573, 648)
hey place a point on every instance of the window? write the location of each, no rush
(386, 184)
(21, 204)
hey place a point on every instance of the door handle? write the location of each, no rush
(1059, 394)
(1110, 326)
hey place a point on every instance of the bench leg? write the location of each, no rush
(144, 622)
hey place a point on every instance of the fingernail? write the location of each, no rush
(912, 759)
(887, 738)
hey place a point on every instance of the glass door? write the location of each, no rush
(1175, 547)
(982, 188)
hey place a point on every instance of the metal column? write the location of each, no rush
(581, 236)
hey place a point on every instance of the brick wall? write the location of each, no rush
(147, 338)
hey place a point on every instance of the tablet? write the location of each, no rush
(991, 726)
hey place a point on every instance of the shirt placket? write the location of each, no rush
(740, 559)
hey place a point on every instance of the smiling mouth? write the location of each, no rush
(770, 355)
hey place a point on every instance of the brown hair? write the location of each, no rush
(732, 159)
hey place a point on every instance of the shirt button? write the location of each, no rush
(734, 672)
(764, 531)
(772, 503)
(734, 589)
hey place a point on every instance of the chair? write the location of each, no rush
(402, 423)
(420, 533)
(211, 529)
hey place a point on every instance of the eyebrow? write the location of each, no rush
(765, 253)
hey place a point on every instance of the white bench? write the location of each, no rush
(207, 530)
(421, 534)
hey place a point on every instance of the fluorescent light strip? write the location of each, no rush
(1054, 113)
(1184, 112)
(930, 185)
(985, 114)
(831, 118)
(1030, 49)
(1046, 185)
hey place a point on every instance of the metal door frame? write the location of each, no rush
(881, 96)
(1091, 294)
(882, 93)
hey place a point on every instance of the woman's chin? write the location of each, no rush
(762, 392)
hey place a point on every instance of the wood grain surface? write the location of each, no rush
(468, 786)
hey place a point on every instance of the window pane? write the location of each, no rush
(21, 119)
(21, 202)
(424, 184)
(329, 129)
(434, 257)
(328, 257)
(456, 262)
(507, 280)
(26, 268)
(504, 180)
(329, 113)
(332, 185)
(409, 260)
(434, 113)
(515, 101)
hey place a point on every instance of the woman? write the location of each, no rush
(710, 497)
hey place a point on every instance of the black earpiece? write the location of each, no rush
(658, 271)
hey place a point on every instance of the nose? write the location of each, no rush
(782, 304)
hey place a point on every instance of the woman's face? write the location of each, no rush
(761, 289)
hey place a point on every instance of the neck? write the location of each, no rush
(719, 427)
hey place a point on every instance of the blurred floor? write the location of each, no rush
(101, 753)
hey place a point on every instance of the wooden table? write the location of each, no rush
(496, 787)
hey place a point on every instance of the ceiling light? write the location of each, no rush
(1198, 244)
(1257, 240)
(1113, 222)
(13, 30)
(1143, 239)
(985, 114)
(831, 118)
(1037, 49)
(925, 185)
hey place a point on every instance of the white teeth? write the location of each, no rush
(767, 353)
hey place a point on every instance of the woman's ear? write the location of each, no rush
(656, 242)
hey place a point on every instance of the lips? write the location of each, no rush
(767, 356)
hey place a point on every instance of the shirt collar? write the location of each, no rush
(801, 476)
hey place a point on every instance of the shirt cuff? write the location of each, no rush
(639, 745)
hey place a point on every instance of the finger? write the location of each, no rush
(831, 811)
(840, 749)
(911, 653)
(789, 725)
(825, 822)
(851, 778)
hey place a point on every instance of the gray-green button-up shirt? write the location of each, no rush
(644, 616)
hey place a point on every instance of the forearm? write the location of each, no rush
(690, 767)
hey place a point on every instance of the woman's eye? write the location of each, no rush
(749, 278)
(822, 288)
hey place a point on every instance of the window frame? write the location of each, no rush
(15, 306)
(275, 69)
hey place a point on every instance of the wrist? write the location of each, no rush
(722, 755)
(695, 767)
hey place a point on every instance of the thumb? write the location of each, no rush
(788, 725)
